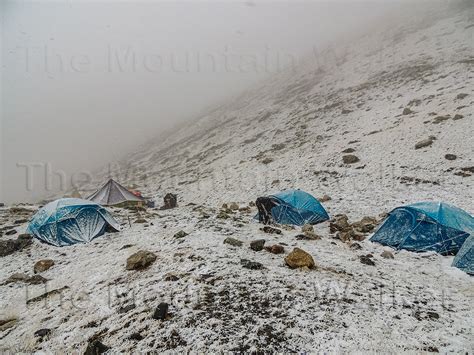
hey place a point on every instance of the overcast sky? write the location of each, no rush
(84, 83)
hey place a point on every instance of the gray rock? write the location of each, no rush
(161, 311)
(252, 265)
(387, 255)
(257, 245)
(461, 96)
(140, 260)
(42, 332)
(367, 260)
(458, 117)
(407, 111)
(95, 347)
(350, 159)
(270, 230)
(43, 265)
(10, 246)
(424, 143)
(181, 234)
(450, 157)
(234, 242)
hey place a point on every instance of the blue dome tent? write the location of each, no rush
(464, 259)
(291, 207)
(69, 221)
(426, 226)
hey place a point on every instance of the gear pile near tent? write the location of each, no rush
(426, 226)
(112, 194)
(70, 221)
(291, 207)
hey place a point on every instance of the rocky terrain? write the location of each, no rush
(365, 126)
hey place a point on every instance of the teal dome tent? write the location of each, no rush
(69, 221)
(291, 207)
(426, 226)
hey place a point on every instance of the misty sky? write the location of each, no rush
(84, 83)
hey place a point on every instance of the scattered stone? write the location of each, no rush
(339, 223)
(407, 111)
(95, 347)
(387, 255)
(161, 311)
(171, 277)
(136, 336)
(365, 225)
(234, 206)
(234, 242)
(440, 119)
(140, 260)
(307, 228)
(42, 332)
(355, 246)
(126, 309)
(275, 249)
(252, 265)
(450, 157)
(461, 96)
(7, 323)
(257, 245)
(298, 258)
(8, 247)
(424, 143)
(350, 159)
(458, 117)
(37, 280)
(325, 198)
(181, 234)
(367, 260)
(270, 230)
(43, 265)
(169, 201)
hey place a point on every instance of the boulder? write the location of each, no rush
(424, 143)
(387, 255)
(140, 260)
(339, 223)
(181, 234)
(234, 242)
(43, 265)
(95, 347)
(257, 245)
(233, 206)
(7, 323)
(325, 198)
(367, 260)
(365, 225)
(161, 311)
(450, 157)
(10, 246)
(270, 230)
(407, 111)
(298, 258)
(252, 265)
(275, 249)
(17, 277)
(42, 332)
(169, 201)
(350, 159)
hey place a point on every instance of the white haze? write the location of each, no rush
(73, 99)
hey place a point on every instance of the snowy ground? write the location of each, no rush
(289, 133)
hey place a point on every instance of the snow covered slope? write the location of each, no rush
(375, 98)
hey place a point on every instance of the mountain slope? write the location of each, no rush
(290, 132)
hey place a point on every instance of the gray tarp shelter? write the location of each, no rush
(112, 193)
